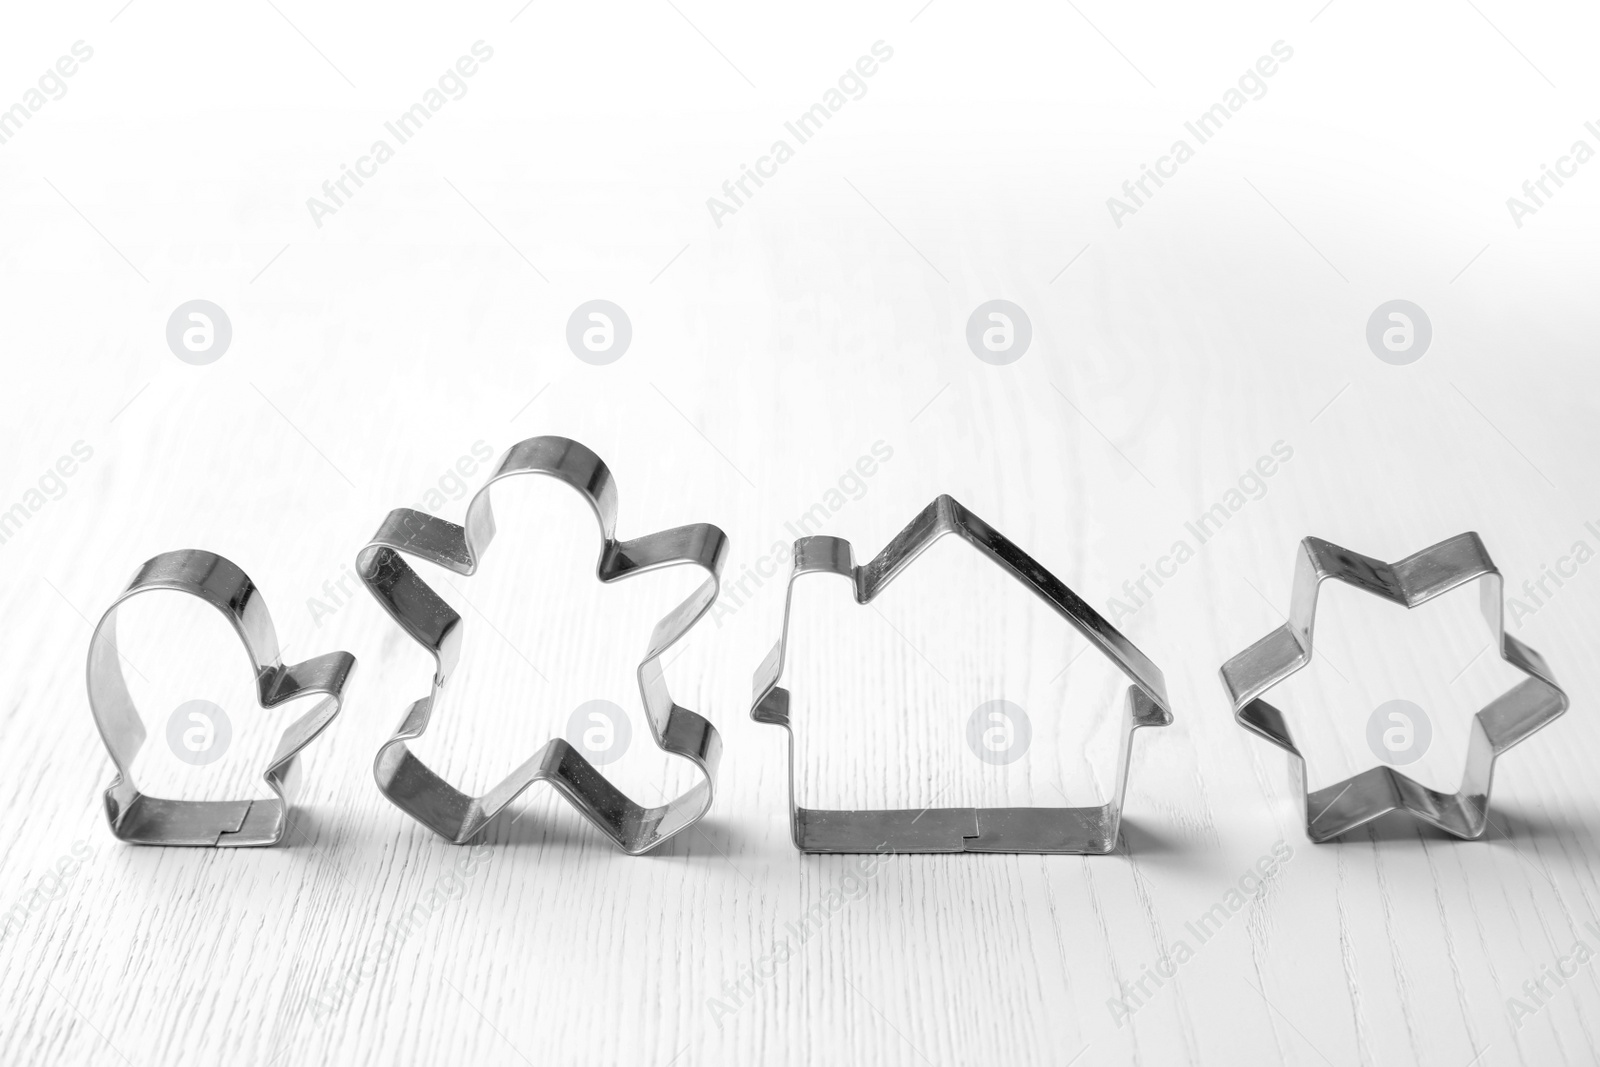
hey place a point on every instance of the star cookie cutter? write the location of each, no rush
(1417, 579)
(1090, 830)
(421, 793)
(145, 820)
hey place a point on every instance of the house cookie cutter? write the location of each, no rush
(146, 820)
(1013, 829)
(1417, 579)
(420, 792)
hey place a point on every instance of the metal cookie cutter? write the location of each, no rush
(147, 820)
(434, 802)
(1417, 579)
(1077, 830)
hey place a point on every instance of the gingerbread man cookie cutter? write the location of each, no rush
(459, 817)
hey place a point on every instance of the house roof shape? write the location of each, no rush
(1091, 830)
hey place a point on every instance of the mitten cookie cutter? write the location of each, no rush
(1090, 830)
(421, 793)
(1339, 808)
(147, 820)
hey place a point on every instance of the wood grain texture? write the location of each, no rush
(373, 355)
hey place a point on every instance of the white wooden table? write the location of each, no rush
(422, 325)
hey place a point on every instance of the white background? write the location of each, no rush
(769, 353)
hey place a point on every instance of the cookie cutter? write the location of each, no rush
(420, 792)
(1012, 829)
(146, 820)
(1417, 579)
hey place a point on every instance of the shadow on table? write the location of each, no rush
(1140, 841)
